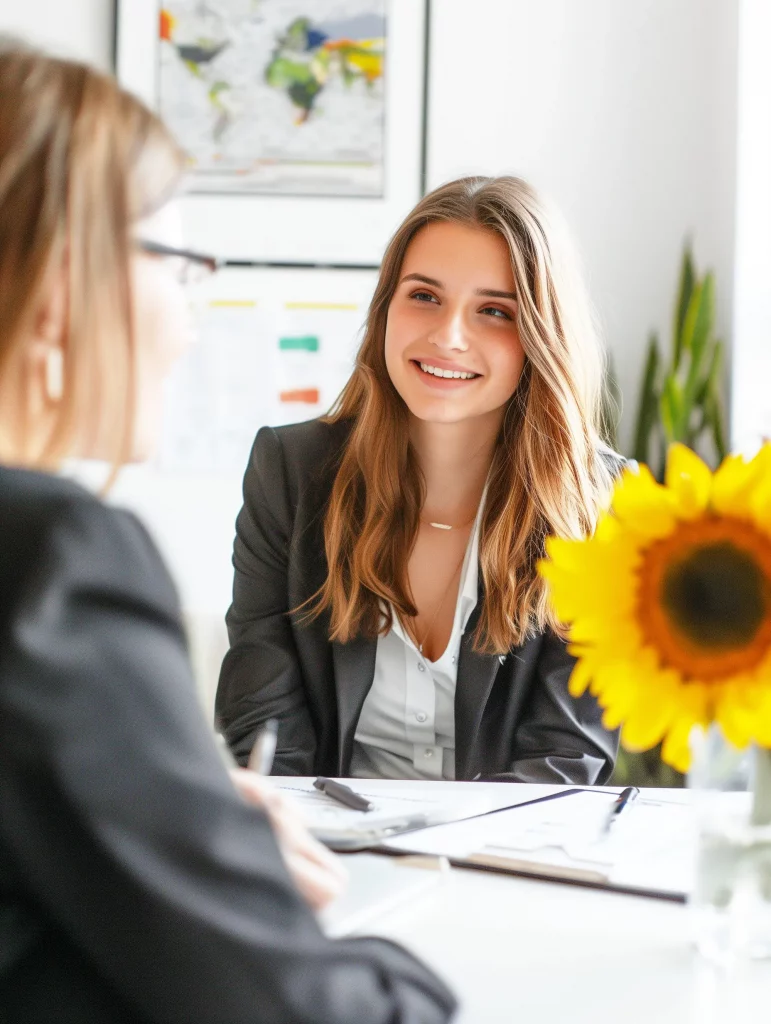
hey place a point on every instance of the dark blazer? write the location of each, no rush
(514, 717)
(135, 884)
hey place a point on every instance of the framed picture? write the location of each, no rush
(304, 122)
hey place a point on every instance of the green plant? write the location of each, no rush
(683, 402)
(678, 402)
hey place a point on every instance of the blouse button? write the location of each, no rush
(454, 659)
(428, 752)
(421, 716)
(421, 667)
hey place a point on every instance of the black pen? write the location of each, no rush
(343, 794)
(624, 799)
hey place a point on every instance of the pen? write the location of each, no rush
(343, 794)
(624, 798)
(261, 757)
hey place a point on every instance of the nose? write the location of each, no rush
(450, 334)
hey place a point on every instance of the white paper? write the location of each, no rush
(649, 846)
(394, 807)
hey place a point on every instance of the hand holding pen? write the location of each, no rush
(318, 874)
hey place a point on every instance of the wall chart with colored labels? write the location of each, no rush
(272, 346)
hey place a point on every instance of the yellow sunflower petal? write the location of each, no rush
(762, 726)
(737, 708)
(689, 480)
(649, 716)
(676, 749)
(580, 678)
(736, 479)
(759, 504)
(642, 505)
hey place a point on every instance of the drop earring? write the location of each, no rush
(54, 374)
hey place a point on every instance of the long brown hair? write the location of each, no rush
(547, 474)
(80, 161)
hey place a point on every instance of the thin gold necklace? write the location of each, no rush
(447, 526)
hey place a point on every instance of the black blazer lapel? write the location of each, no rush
(476, 675)
(354, 664)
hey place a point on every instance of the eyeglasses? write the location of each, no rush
(192, 267)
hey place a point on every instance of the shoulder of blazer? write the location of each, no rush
(311, 453)
(29, 503)
(43, 515)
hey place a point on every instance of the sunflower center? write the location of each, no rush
(716, 596)
(704, 600)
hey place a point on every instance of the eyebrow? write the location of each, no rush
(488, 293)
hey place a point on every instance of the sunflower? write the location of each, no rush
(668, 604)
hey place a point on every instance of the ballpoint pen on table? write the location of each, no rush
(261, 757)
(343, 794)
(624, 799)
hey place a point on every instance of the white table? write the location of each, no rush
(518, 950)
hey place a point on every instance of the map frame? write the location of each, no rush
(302, 229)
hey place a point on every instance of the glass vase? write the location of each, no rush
(731, 899)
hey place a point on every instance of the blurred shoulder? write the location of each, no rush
(55, 527)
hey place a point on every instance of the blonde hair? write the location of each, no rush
(547, 475)
(80, 161)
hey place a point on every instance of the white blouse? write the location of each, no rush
(406, 729)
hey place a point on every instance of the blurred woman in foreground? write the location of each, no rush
(136, 882)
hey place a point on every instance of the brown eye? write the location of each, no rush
(500, 313)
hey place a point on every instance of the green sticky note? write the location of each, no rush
(306, 343)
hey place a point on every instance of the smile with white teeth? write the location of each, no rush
(455, 374)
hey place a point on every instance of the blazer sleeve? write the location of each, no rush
(123, 823)
(561, 739)
(261, 676)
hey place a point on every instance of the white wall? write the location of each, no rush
(81, 29)
(624, 113)
(751, 407)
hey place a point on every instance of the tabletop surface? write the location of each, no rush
(517, 949)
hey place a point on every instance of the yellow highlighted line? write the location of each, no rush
(238, 303)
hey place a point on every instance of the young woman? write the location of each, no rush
(386, 605)
(136, 883)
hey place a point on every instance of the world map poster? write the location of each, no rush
(278, 97)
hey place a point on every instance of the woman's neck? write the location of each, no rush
(455, 460)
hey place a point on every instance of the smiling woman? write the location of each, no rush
(387, 607)
(452, 347)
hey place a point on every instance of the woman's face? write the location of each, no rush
(163, 324)
(452, 347)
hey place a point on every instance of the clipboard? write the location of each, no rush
(649, 851)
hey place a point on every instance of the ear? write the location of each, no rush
(51, 322)
(49, 338)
